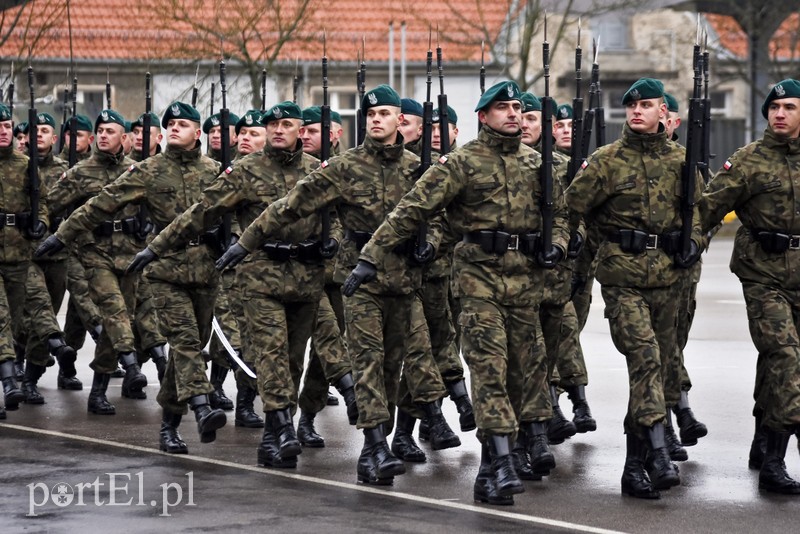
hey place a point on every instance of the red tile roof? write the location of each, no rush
(783, 45)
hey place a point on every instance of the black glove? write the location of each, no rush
(575, 245)
(578, 286)
(328, 248)
(549, 258)
(38, 230)
(50, 246)
(141, 259)
(684, 261)
(143, 231)
(363, 273)
(424, 254)
(232, 256)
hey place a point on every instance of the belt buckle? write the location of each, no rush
(794, 242)
(116, 226)
(294, 251)
(652, 242)
(513, 242)
(11, 219)
(194, 242)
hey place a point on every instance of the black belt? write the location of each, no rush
(127, 226)
(305, 251)
(15, 219)
(406, 248)
(500, 242)
(776, 242)
(638, 241)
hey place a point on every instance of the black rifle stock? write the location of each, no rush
(427, 136)
(546, 171)
(142, 215)
(33, 155)
(577, 114)
(325, 147)
(691, 165)
(444, 119)
(225, 151)
(72, 154)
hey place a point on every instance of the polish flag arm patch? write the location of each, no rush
(129, 168)
(443, 159)
(324, 164)
(584, 164)
(229, 170)
(727, 165)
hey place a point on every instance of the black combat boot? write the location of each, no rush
(758, 448)
(245, 414)
(522, 461)
(283, 427)
(64, 354)
(306, 433)
(346, 388)
(30, 382)
(635, 481)
(268, 452)
(485, 487)
(95, 332)
(134, 382)
(13, 395)
(542, 460)
(209, 419)
(218, 398)
(19, 362)
(159, 356)
(676, 451)
(119, 372)
(458, 394)
(560, 428)
(441, 435)
(582, 415)
(773, 476)
(403, 444)
(663, 473)
(2, 412)
(508, 483)
(332, 400)
(691, 428)
(68, 383)
(98, 402)
(169, 439)
(377, 465)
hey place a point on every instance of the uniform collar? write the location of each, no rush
(106, 158)
(644, 142)
(47, 159)
(415, 146)
(286, 158)
(183, 156)
(503, 143)
(781, 143)
(385, 152)
(5, 152)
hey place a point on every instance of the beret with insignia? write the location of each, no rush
(216, 118)
(643, 89)
(452, 116)
(312, 115)
(45, 119)
(20, 128)
(284, 110)
(5, 113)
(499, 92)
(672, 103)
(409, 106)
(383, 95)
(250, 119)
(563, 112)
(109, 116)
(180, 110)
(788, 88)
(530, 102)
(140, 121)
(82, 123)
(335, 117)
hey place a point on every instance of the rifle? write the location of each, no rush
(482, 78)
(264, 89)
(588, 117)
(211, 111)
(325, 149)
(444, 122)
(225, 151)
(194, 87)
(11, 92)
(361, 80)
(599, 112)
(707, 156)
(33, 155)
(72, 157)
(692, 162)
(546, 171)
(63, 133)
(577, 113)
(108, 89)
(427, 135)
(295, 82)
(143, 214)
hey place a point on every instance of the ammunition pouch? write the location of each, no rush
(776, 242)
(406, 248)
(128, 226)
(306, 251)
(499, 242)
(638, 241)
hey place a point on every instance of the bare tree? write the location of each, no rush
(28, 28)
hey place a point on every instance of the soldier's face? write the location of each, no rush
(182, 133)
(382, 123)
(252, 139)
(138, 138)
(531, 127)
(46, 138)
(504, 117)
(215, 136)
(282, 134)
(436, 135)
(6, 133)
(410, 128)
(109, 137)
(562, 131)
(336, 132)
(784, 116)
(311, 136)
(644, 116)
(22, 141)
(127, 144)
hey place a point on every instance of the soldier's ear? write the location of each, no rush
(482, 117)
(197, 133)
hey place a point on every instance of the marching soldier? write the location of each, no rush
(452, 126)
(85, 138)
(411, 125)
(562, 129)
(211, 127)
(251, 134)
(137, 128)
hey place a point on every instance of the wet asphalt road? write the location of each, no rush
(219, 487)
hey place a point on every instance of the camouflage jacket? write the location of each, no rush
(365, 183)
(761, 181)
(15, 199)
(250, 185)
(50, 170)
(490, 183)
(216, 154)
(136, 155)
(64, 154)
(167, 184)
(633, 183)
(75, 187)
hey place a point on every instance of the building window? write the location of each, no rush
(343, 100)
(613, 31)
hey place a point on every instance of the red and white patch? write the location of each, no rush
(727, 165)
(324, 164)
(229, 170)
(131, 168)
(584, 164)
(443, 160)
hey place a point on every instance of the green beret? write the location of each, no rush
(643, 89)
(312, 115)
(109, 116)
(140, 121)
(251, 118)
(452, 116)
(46, 119)
(5, 113)
(180, 110)
(284, 110)
(672, 104)
(530, 102)
(563, 112)
(788, 88)
(383, 95)
(83, 123)
(335, 117)
(409, 106)
(21, 128)
(216, 118)
(499, 92)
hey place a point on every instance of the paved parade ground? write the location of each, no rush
(65, 470)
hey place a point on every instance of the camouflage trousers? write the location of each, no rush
(146, 330)
(503, 348)
(328, 359)
(421, 381)
(774, 318)
(185, 317)
(82, 313)
(687, 304)
(582, 301)
(46, 286)
(439, 316)
(377, 328)
(642, 324)
(565, 364)
(13, 278)
(114, 294)
(230, 313)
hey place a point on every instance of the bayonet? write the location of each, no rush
(194, 87)
(444, 119)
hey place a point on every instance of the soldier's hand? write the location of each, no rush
(142, 232)
(424, 254)
(38, 230)
(141, 260)
(232, 256)
(50, 246)
(575, 245)
(684, 261)
(549, 258)
(328, 248)
(363, 273)
(234, 240)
